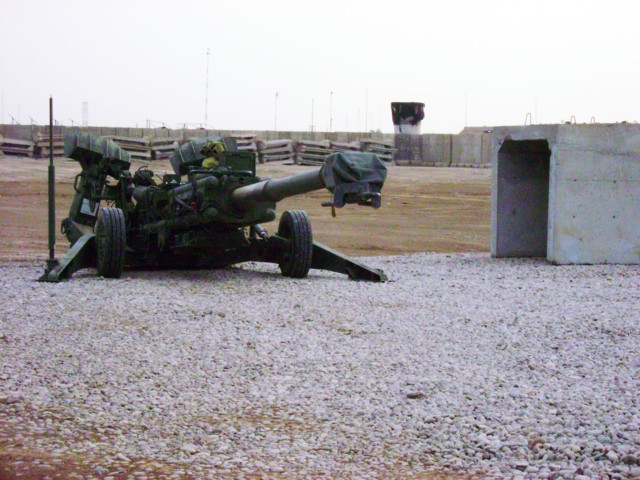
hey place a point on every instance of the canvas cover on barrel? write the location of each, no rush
(354, 167)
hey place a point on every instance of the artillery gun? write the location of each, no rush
(213, 219)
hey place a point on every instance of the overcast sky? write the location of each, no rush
(474, 63)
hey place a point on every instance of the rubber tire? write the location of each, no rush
(296, 227)
(111, 240)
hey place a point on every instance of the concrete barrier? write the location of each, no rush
(442, 150)
(570, 193)
(465, 149)
(437, 149)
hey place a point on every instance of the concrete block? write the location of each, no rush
(108, 131)
(179, 134)
(466, 148)
(18, 132)
(597, 235)
(332, 136)
(285, 135)
(195, 133)
(342, 137)
(93, 130)
(436, 149)
(160, 132)
(485, 151)
(135, 133)
(425, 150)
(409, 149)
(570, 193)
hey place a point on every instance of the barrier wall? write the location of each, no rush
(467, 149)
(28, 132)
(444, 150)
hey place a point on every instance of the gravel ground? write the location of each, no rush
(503, 368)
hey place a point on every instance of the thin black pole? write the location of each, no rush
(52, 188)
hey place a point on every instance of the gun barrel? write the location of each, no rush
(277, 189)
(352, 177)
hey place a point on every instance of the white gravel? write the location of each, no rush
(513, 368)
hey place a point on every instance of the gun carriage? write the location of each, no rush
(210, 219)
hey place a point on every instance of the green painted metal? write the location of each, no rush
(82, 254)
(91, 149)
(325, 258)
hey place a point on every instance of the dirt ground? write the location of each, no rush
(423, 209)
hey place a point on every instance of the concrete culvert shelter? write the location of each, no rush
(570, 193)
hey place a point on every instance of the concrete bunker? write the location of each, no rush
(570, 193)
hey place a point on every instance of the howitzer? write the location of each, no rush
(211, 220)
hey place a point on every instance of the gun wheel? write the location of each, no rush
(296, 227)
(110, 242)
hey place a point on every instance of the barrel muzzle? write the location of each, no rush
(354, 177)
(359, 194)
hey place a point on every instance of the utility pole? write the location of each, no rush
(275, 114)
(312, 102)
(466, 107)
(366, 110)
(331, 111)
(206, 95)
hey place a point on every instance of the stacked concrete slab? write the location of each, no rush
(43, 143)
(246, 142)
(163, 147)
(139, 148)
(276, 150)
(353, 146)
(384, 150)
(570, 193)
(309, 152)
(15, 146)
